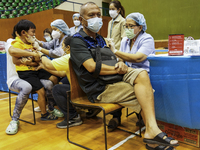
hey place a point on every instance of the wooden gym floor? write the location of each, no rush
(45, 136)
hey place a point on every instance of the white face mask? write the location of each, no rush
(94, 24)
(48, 38)
(30, 39)
(77, 22)
(55, 34)
(113, 13)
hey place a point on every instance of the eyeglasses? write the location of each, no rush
(129, 26)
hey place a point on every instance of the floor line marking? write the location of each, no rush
(7, 98)
(125, 140)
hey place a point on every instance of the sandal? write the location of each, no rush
(113, 124)
(160, 141)
(160, 147)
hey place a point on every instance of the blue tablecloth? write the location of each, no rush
(3, 75)
(176, 80)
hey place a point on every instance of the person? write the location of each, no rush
(60, 32)
(18, 85)
(134, 91)
(115, 26)
(47, 34)
(26, 31)
(137, 45)
(77, 24)
(59, 90)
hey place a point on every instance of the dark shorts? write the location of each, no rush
(33, 77)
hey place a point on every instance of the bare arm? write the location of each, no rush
(138, 57)
(47, 63)
(56, 73)
(26, 61)
(46, 52)
(119, 68)
(16, 52)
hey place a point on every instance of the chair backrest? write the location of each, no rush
(76, 91)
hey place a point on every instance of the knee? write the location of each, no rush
(27, 89)
(55, 89)
(143, 76)
(48, 85)
(54, 79)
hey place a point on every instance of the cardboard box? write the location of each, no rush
(185, 135)
(176, 44)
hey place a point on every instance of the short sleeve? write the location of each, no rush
(17, 45)
(147, 46)
(62, 63)
(48, 45)
(79, 51)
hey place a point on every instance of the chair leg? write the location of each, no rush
(105, 133)
(34, 121)
(127, 114)
(10, 103)
(68, 99)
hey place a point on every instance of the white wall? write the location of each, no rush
(75, 7)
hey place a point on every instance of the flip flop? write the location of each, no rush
(158, 139)
(160, 147)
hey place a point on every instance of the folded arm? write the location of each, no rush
(119, 68)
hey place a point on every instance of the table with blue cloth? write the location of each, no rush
(176, 81)
(3, 76)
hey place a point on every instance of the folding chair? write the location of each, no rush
(34, 121)
(79, 99)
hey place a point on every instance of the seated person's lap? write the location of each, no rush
(33, 77)
(122, 92)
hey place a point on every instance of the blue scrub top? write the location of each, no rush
(72, 29)
(143, 44)
(54, 47)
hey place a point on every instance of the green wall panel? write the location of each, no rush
(166, 17)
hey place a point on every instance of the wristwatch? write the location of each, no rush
(42, 56)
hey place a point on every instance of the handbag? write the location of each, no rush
(107, 57)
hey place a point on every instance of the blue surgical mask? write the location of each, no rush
(94, 24)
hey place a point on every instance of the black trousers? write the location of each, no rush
(60, 96)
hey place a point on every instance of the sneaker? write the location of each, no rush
(48, 116)
(37, 109)
(12, 127)
(73, 122)
(57, 113)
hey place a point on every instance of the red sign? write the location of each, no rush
(176, 44)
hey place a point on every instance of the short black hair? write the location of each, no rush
(14, 34)
(67, 40)
(24, 25)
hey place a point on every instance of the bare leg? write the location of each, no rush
(144, 94)
(41, 100)
(53, 79)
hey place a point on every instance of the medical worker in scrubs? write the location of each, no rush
(137, 45)
(77, 24)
